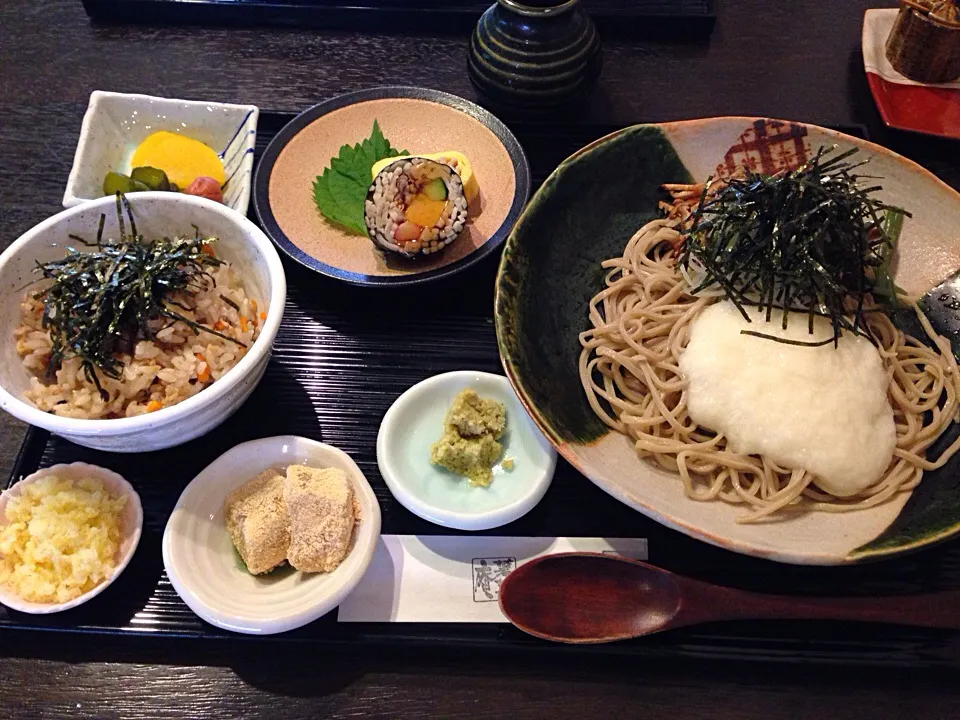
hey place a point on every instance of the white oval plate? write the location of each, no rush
(415, 421)
(132, 522)
(206, 570)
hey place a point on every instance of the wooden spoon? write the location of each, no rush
(594, 598)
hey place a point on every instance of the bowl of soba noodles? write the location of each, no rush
(723, 324)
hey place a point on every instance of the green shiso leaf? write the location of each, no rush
(884, 285)
(325, 202)
(349, 196)
(344, 164)
(339, 192)
(381, 146)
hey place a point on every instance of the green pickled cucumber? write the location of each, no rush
(153, 178)
(115, 183)
(436, 189)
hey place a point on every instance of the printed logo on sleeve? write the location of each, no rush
(488, 574)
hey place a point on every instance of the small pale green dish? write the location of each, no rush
(587, 210)
(415, 421)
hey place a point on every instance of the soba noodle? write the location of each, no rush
(629, 369)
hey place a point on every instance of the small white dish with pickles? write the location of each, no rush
(115, 125)
(206, 568)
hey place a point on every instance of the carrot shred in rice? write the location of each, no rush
(219, 325)
(243, 323)
(263, 315)
(153, 406)
(203, 369)
(207, 249)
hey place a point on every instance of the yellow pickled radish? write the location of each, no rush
(183, 159)
(455, 159)
(423, 211)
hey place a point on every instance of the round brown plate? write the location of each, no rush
(412, 119)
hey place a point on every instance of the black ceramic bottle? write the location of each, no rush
(534, 54)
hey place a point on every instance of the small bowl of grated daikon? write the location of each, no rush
(66, 533)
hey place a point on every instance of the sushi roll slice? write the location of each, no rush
(415, 206)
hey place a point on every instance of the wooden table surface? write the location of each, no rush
(799, 60)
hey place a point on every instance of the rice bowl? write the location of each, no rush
(253, 273)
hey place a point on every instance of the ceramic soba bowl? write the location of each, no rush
(548, 274)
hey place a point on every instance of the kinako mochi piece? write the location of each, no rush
(257, 522)
(320, 504)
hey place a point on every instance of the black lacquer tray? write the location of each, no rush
(342, 356)
(633, 18)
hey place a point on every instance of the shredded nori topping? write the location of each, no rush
(809, 240)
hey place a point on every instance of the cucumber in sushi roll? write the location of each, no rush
(415, 206)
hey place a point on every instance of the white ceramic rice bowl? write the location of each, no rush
(240, 242)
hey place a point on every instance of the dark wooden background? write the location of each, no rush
(798, 60)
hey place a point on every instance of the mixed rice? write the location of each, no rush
(178, 364)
